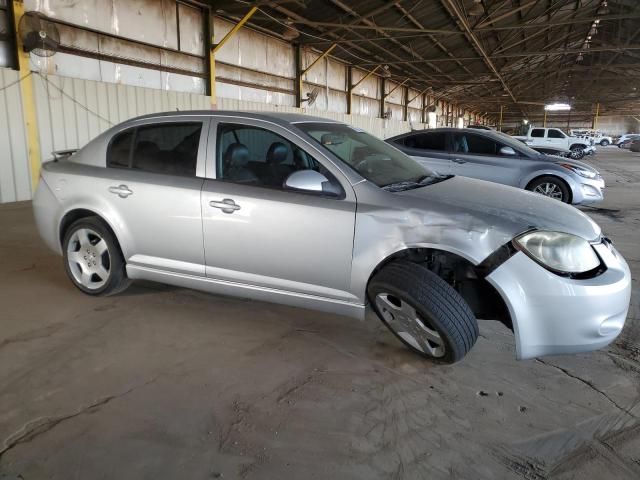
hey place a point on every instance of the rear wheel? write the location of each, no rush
(92, 258)
(604, 143)
(423, 311)
(551, 187)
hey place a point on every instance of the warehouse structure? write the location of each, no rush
(388, 67)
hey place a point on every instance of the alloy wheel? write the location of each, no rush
(577, 153)
(549, 189)
(89, 259)
(408, 324)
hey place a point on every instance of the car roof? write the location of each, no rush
(282, 118)
(477, 131)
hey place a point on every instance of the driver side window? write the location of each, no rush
(260, 157)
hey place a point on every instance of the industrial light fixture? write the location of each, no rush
(604, 8)
(557, 107)
(476, 9)
(525, 121)
(580, 57)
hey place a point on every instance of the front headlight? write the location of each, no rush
(583, 172)
(561, 252)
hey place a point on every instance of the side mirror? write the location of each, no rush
(311, 181)
(507, 151)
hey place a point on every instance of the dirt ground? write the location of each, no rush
(166, 383)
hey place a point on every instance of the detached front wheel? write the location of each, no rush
(423, 311)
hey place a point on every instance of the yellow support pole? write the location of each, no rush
(216, 47)
(595, 119)
(28, 102)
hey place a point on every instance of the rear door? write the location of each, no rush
(258, 233)
(153, 182)
(478, 156)
(428, 148)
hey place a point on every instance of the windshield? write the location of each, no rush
(372, 158)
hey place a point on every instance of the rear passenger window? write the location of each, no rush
(427, 141)
(170, 148)
(537, 132)
(119, 150)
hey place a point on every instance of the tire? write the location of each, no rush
(577, 152)
(551, 187)
(604, 143)
(92, 258)
(423, 311)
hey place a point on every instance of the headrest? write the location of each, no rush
(277, 153)
(237, 155)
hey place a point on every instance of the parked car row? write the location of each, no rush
(317, 214)
(625, 139)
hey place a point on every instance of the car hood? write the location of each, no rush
(568, 161)
(499, 211)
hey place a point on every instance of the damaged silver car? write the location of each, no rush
(317, 214)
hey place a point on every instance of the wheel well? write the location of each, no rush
(556, 178)
(581, 145)
(77, 214)
(462, 275)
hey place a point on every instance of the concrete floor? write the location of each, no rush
(167, 383)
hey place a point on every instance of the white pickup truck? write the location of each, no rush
(598, 137)
(554, 137)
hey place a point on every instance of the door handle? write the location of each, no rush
(459, 160)
(227, 205)
(121, 190)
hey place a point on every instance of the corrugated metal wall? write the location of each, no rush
(72, 111)
(15, 181)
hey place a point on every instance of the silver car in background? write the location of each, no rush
(317, 214)
(496, 157)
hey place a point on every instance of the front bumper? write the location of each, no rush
(587, 191)
(556, 315)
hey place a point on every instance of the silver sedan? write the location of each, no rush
(496, 157)
(318, 214)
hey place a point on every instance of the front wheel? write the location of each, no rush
(551, 187)
(604, 143)
(92, 258)
(423, 311)
(577, 153)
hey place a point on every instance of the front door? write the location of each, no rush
(258, 233)
(478, 156)
(556, 138)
